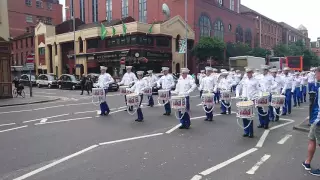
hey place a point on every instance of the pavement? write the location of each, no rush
(66, 139)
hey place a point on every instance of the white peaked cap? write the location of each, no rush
(237, 70)
(185, 70)
(214, 69)
(140, 72)
(264, 67)
(223, 70)
(286, 69)
(165, 69)
(225, 73)
(279, 70)
(312, 68)
(257, 69)
(128, 67)
(273, 70)
(296, 73)
(249, 69)
(231, 69)
(150, 71)
(209, 69)
(202, 71)
(103, 68)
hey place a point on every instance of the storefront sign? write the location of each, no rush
(111, 55)
(158, 55)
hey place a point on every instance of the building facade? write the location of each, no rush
(291, 34)
(315, 47)
(24, 15)
(21, 47)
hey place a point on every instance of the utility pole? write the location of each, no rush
(186, 28)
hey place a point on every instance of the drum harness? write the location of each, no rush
(204, 107)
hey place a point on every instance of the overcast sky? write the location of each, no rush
(293, 12)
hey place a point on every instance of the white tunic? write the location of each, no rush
(104, 80)
(152, 80)
(304, 80)
(277, 85)
(266, 83)
(139, 86)
(297, 82)
(184, 86)
(288, 83)
(166, 81)
(311, 77)
(225, 84)
(249, 88)
(128, 79)
(208, 84)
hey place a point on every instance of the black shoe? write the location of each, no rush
(126, 110)
(223, 113)
(245, 135)
(289, 112)
(210, 120)
(107, 113)
(181, 127)
(165, 114)
(148, 105)
(251, 136)
(294, 105)
(277, 119)
(186, 127)
(260, 126)
(229, 112)
(206, 119)
(266, 127)
(284, 114)
(102, 114)
(81, 94)
(136, 120)
(139, 120)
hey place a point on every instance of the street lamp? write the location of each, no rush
(74, 29)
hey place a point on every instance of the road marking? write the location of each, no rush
(84, 112)
(48, 107)
(7, 124)
(196, 177)
(258, 164)
(43, 119)
(174, 128)
(78, 104)
(130, 139)
(66, 120)
(200, 104)
(14, 128)
(32, 120)
(262, 138)
(44, 93)
(280, 125)
(223, 164)
(284, 139)
(15, 111)
(55, 163)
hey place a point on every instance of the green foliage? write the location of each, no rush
(209, 47)
(259, 52)
(237, 49)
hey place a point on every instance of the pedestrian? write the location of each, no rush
(83, 84)
(201, 75)
(103, 82)
(166, 82)
(128, 79)
(138, 88)
(314, 132)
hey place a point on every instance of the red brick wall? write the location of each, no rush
(42, 59)
(18, 60)
(17, 10)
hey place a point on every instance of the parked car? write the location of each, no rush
(24, 79)
(48, 80)
(112, 87)
(67, 81)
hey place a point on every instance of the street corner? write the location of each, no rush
(27, 100)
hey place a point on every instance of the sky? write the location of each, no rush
(292, 12)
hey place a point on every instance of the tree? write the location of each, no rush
(259, 52)
(237, 49)
(209, 47)
(282, 50)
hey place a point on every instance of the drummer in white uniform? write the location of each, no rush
(304, 84)
(311, 80)
(297, 89)
(103, 82)
(224, 85)
(166, 82)
(138, 88)
(208, 86)
(275, 89)
(249, 90)
(200, 77)
(127, 80)
(152, 82)
(183, 88)
(287, 90)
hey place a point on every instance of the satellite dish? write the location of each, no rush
(166, 10)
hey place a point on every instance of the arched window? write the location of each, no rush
(177, 43)
(80, 44)
(248, 37)
(219, 29)
(205, 26)
(239, 34)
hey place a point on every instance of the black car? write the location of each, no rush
(67, 81)
(24, 79)
(47, 80)
(112, 87)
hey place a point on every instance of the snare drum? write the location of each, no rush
(245, 109)
(164, 94)
(277, 101)
(207, 99)
(133, 99)
(147, 91)
(178, 102)
(263, 100)
(226, 95)
(123, 90)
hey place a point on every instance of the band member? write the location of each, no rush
(266, 83)
(237, 79)
(201, 75)
(166, 82)
(127, 80)
(276, 89)
(152, 82)
(225, 85)
(183, 88)
(287, 90)
(208, 86)
(137, 88)
(304, 83)
(215, 76)
(297, 89)
(249, 89)
(103, 82)
(311, 80)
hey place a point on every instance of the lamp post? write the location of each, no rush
(74, 30)
(186, 28)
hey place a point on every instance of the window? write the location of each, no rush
(162, 42)
(71, 9)
(21, 59)
(31, 41)
(239, 34)
(109, 10)
(27, 44)
(82, 11)
(16, 62)
(21, 43)
(28, 2)
(232, 5)
(143, 11)
(48, 20)
(94, 10)
(205, 26)
(219, 29)
(41, 51)
(29, 18)
(39, 3)
(220, 2)
(177, 43)
(248, 37)
(124, 8)
(49, 5)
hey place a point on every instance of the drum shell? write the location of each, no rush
(178, 103)
(245, 111)
(133, 100)
(124, 90)
(99, 93)
(262, 101)
(207, 100)
(226, 96)
(277, 101)
(163, 95)
(147, 91)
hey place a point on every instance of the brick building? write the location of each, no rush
(291, 34)
(315, 47)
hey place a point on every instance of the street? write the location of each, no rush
(68, 140)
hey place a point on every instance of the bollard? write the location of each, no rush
(312, 96)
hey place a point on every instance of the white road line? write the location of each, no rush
(280, 125)
(199, 104)
(44, 93)
(258, 164)
(196, 177)
(78, 104)
(262, 138)
(48, 107)
(223, 164)
(7, 124)
(85, 112)
(284, 139)
(66, 120)
(32, 120)
(55, 163)
(174, 128)
(43, 119)
(14, 128)
(16, 111)
(57, 116)
(130, 139)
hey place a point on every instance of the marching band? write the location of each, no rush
(268, 90)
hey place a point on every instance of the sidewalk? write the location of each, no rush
(303, 126)
(26, 100)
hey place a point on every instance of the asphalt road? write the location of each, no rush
(67, 140)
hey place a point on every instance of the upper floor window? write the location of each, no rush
(239, 34)
(124, 8)
(49, 5)
(205, 26)
(27, 44)
(94, 10)
(48, 20)
(28, 2)
(109, 10)
(41, 51)
(232, 5)
(220, 2)
(71, 9)
(39, 3)
(82, 11)
(29, 18)
(218, 29)
(143, 11)
(248, 37)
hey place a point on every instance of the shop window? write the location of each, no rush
(177, 43)
(123, 41)
(128, 40)
(162, 42)
(41, 51)
(133, 39)
(92, 43)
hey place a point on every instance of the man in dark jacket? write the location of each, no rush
(83, 83)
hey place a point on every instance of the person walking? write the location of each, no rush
(83, 82)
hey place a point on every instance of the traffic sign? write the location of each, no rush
(30, 62)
